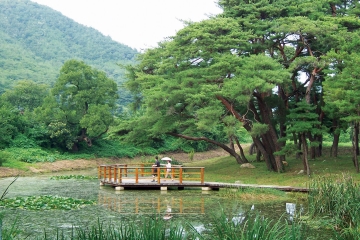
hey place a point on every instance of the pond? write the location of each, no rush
(115, 207)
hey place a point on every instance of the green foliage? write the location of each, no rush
(258, 129)
(45, 203)
(10, 125)
(303, 119)
(341, 85)
(21, 141)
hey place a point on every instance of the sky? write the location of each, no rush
(138, 24)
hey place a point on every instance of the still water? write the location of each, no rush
(115, 207)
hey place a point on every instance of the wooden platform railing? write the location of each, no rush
(118, 172)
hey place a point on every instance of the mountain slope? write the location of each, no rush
(35, 41)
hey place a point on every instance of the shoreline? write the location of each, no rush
(83, 164)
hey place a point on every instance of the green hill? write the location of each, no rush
(36, 40)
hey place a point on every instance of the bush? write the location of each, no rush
(30, 155)
(21, 141)
(4, 155)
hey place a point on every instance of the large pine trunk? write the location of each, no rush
(270, 138)
(267, 143)
(305, 155)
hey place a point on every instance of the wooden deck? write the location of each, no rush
(140, 176)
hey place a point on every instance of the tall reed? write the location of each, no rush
(255, 226)
(338, 199)
(148, 228)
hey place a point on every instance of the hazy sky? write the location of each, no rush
(139, 24)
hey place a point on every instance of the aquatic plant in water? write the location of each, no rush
(73, 177)
(45, 203)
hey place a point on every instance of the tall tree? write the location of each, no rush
(297, 34)
(199, 81)
(80, 105)
(342, 87)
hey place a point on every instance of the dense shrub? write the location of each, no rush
(30, 155)
(4, 155)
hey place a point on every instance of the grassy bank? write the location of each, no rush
(225, 169)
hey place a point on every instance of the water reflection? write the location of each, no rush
(292, 211)
(152, 203)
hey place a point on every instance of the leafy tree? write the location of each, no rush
(80, 105)
(301, 121)
(26, 95)
(198, 81)
(342, 87)
(11, 124)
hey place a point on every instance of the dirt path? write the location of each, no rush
(69, 165)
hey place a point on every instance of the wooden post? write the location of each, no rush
(108, 173)
(181, 175)
(125, 172)
(202, 175)
(115, 173)
(158, 174)
(136, 175)
(120, 173)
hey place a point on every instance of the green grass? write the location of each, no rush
(17, 165)
(225, 169)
